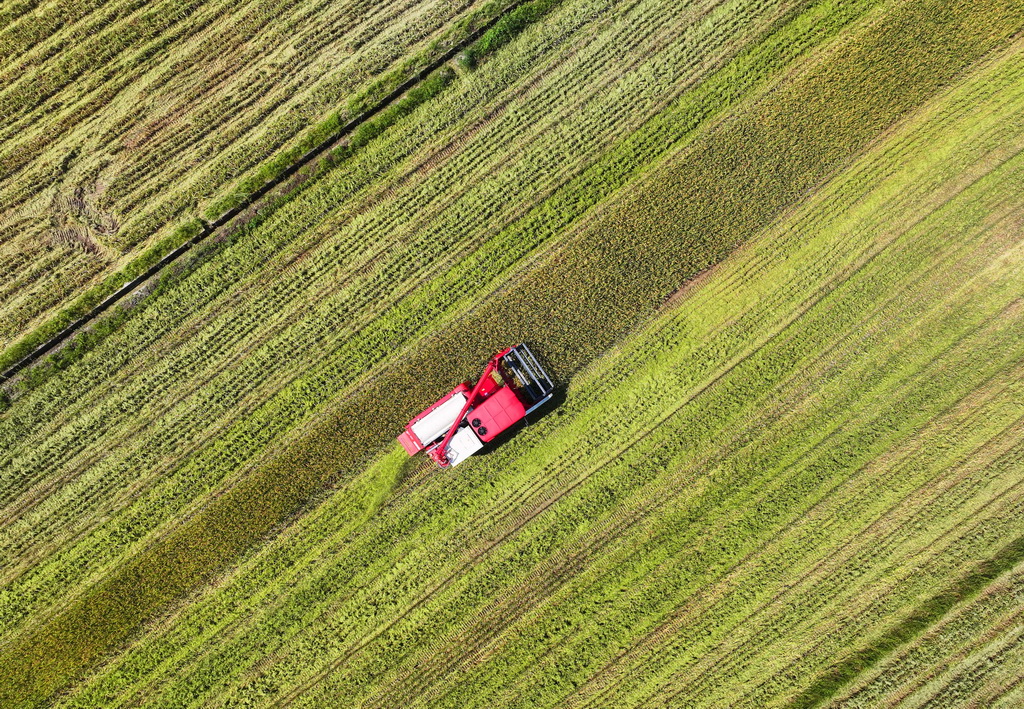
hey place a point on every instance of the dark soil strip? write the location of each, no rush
(210, 228)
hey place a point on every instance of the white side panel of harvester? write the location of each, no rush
(437, 422)
(463, 444)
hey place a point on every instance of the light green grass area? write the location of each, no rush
(773, 250)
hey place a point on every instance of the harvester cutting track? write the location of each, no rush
(512, 386)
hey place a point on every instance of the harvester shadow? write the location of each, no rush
(552, 407)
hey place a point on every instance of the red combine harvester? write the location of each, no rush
(512, 386)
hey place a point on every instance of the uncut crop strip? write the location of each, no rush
(328, 450)
(100, 475)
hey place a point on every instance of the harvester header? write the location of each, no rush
(512, 386)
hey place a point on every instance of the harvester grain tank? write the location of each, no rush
(512, 386)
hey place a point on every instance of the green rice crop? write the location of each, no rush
(619, 549)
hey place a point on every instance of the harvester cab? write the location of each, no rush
(512, 386)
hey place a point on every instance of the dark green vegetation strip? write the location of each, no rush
(373, 110)
(727, 185)
(923, 617)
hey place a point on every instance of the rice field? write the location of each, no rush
(772, 251)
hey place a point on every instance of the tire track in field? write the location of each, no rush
(1008, 690)
(907, 671)
(697, 604)
(979, 640)
(851, 552)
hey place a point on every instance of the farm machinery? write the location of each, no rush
(512, 386)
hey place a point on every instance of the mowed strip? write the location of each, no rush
(904, 75)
